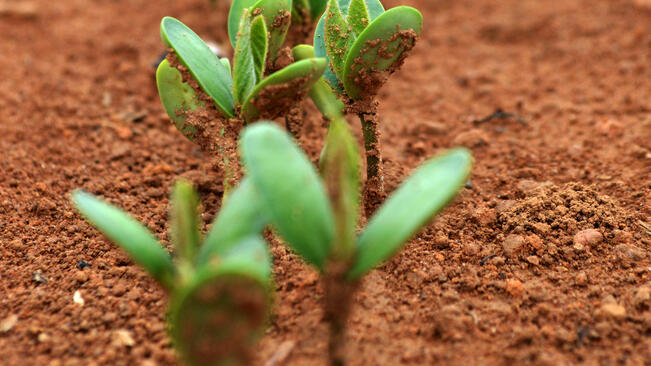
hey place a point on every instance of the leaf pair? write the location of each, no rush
(363, 43)
(318, 218)
(220, 289)
(258, 97)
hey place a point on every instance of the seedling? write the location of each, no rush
(318, 217)
(364, 44)
(220, 285)
(303, 14)
(209, 103)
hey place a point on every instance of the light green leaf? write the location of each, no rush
(410, 207)
(177, 97)
(239, 217)
(184, 225)
(244, 70)
(272, 97)
(339, 37)
(201, 62)
(235, 17)
(277, 14)
(340, 169)
(129, 234)
(379, 50)
(358, 16)
(291, 194)
(259, 38)
(322, 95)
(217, 318)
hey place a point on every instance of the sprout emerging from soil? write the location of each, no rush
(318, 217)
(220, 286)
(364, 45)
(209, 102)
(304, 14)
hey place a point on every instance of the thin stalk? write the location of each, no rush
(374, 188)
(338, 300)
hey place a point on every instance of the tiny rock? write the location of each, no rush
(628, 252)
(119, 290)
(514, 287)
(512, 244)
(642, 297)
(581, 279)
(122, 338)
(588, 238)
(611, 310)
(77, 299)
(429, 128)
(471, 138)
(7, 323)
(533, 260)
(43, 337)
(81, 276)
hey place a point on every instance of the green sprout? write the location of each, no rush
(318, 216)
(220, 287)
(364, 44)
(208, 102)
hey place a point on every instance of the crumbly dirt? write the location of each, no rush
(503, 277)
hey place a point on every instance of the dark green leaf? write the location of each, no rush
(239, 217)
(129, 234)
(378, 51)
(339, 37)
(340, 169)
(244, 70)
(317, 7)
(358, 16)
(201, 62)
(291, 194)
(410, 207)
(272, 97)
(184, 225)
(177, 97)
(259, 38)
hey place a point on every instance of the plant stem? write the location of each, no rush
(338, 299)
(374, 187)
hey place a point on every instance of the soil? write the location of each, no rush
(543, 258)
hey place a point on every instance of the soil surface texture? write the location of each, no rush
(543, 259)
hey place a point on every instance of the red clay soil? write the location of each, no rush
(543, 259)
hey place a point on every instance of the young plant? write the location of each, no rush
(220, 285)
(364, 44)
(302, 13)
(209, 102)
(318, 217)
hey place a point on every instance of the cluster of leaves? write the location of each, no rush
(220, 286)
(243, 92)
(362, 42)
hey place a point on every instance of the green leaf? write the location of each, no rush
(259, 46)
(272, 97)
(235, 17)
(375, 9)
(184, 225)
(339, 37)
(277, 14)
(291, 194)
(129, 234)
(358, 16)
(239, 217)
(410, 207)
(378, 51)
(322, 96)
(201, 62)
(340, 169)
(317, 7)
(217, 318)
(244, 69)
(248, 256)
(177, 97)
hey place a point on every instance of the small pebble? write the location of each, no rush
(514, 287)
(611, 310)
(512, 244)
(642, 297)
(588, 238)
(81, 276)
